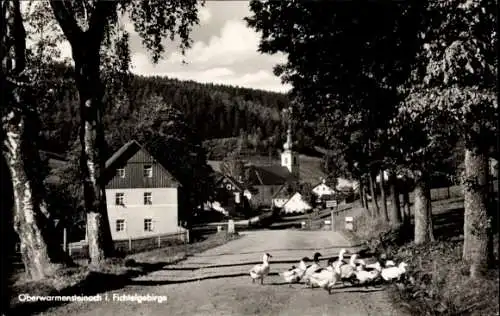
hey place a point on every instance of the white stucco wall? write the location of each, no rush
(296, 204)
(163, 212)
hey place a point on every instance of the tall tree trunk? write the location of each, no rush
(365, 199)
(7, 235)
(395, 213)
(384, 197)
(31, 220)
(422, 210)
(86, 46)
(373, 194)
(361, 189)
(27, 218)
(92, 159)
(476, 221)
(406, 207)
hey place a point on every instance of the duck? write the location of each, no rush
(373, 266)
(327, 277)
(312, 267)
(390, 263)
(392, 273)
(260, 271)
(364, 277)
(340, 261)
(347, 270)
(294, 274)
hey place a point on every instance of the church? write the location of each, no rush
(269, 179)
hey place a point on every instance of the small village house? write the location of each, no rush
(270, 179)
(281, 197)
(232, 195)
(322, 190)
(296, 204)
(143, 198)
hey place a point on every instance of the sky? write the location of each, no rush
(224, 51)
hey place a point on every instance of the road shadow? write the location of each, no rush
(198, 279)
(358, 245)
(362, 254)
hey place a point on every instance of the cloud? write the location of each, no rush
(260, 79)
(230, 58)
(204, 15)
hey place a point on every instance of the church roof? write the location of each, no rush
(269, 175)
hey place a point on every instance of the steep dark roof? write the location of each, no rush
(215, 164)
(282, 193)
(240, 186)
(269, 175)
(122, 155)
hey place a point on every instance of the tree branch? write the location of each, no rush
(67, 21)
(97, 26)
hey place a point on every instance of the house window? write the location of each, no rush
(119, 199)
(148, 200)
(121, 172)
(120, 225)
(286, 160)
(148, 225)
(148, 171)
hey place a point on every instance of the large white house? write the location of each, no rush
(143, 198)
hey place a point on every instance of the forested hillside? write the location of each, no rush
(213, 111)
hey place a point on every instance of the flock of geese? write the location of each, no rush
(355, 271)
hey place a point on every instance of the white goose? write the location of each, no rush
(294, 274)
(259, 271)
(312, 268)
(389, 274)
(364, 276)
(340, 261)
(326, 278)
(347, 270)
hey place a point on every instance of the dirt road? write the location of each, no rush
(216, 282)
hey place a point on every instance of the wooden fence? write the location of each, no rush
(79, 250)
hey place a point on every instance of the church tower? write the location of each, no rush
(289, 158)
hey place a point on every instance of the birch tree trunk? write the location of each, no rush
(422, 210)
(395, 212)
(92, 158)
(383, 196)
(476, 221)
(33, 246)
(86, 47)
(373, 193)
(31, 220)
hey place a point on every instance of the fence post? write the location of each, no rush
(129, 243)
(69, 249)
(159, 241)
(331, 222)
(65, 242)
(187, 236)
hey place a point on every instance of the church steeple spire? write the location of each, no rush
(289, 158)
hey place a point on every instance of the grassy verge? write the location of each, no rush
(113, 274)
(438, 282)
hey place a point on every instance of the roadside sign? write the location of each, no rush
(331, 204)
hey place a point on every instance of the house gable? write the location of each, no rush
(323, 189)
(133, 158)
